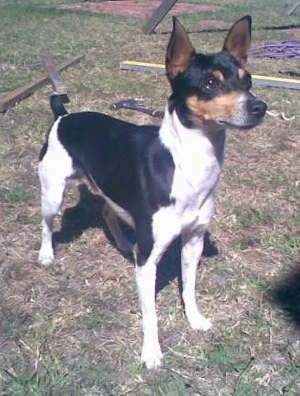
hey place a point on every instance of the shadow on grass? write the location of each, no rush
(87, 214)
(286, 294)
(169, 267)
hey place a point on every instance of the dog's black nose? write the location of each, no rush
(258, 107)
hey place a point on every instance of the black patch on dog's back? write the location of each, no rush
(127, 162)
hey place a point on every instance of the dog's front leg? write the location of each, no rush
(192, 247)
(145, 278)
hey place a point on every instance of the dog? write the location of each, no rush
(160, 180)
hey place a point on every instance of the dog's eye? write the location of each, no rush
(211, 83)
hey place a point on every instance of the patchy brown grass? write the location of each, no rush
(74, 328)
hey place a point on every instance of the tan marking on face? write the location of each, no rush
(219, 75)
(223, 108)
(241, 73)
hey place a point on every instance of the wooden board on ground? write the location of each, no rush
(21, 93)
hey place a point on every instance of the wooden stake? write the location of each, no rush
(291, 7)
(56, 80)
(158, 14)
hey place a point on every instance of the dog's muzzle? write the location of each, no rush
(256, 111)
(257, 108)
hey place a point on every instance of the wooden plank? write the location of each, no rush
(56, 80)
(158, 14)
(143, 67)
(25, 91)
(275, 82)
(291, 7)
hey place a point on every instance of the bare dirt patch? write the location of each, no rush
(136, 9)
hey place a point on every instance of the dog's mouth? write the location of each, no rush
(243, 126)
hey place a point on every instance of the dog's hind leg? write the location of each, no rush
(113, 225)
(54, 172)
(192, 247)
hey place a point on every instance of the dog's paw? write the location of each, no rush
(199, 322)
(46, 258)
(151, 357)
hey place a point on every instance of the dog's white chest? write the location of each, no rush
(195, 179)
(197, 170)
(198, 162)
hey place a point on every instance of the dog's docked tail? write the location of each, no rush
(57, 106)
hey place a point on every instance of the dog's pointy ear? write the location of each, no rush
(180, 51)
(238, 39)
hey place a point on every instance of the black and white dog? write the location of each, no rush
(160, 180)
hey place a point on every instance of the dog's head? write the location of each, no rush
(213, 89)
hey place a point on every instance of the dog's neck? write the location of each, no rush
(180, 139)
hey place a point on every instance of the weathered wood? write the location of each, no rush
(158, 14)
(291, 8)
(21, 93)
(55, 78)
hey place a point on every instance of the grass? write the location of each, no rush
(75, 328)
(15, 195)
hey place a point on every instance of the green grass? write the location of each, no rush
(75, 328)
(47, 383)
(14, 195)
